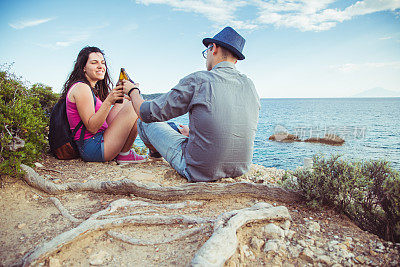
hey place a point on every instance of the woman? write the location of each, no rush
(111, 128)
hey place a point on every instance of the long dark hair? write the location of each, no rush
(102, 87)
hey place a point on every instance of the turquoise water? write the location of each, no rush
(370, 127)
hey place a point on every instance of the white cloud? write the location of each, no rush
(305, 15)
(314, 15)
(66, 42)
(70, 37)
(221, 12)
(386, 38)
(351, 67)
(28, 23)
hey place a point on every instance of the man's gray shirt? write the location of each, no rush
(223, 108)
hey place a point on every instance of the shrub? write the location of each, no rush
(366, 191)
(141, 150)
(47, 98)
(23, 122)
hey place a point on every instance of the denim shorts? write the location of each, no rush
(93, 148)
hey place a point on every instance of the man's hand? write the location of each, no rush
(184, 130)
(127, 85)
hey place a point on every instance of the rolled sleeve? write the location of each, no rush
(145, 113)
(170, 105)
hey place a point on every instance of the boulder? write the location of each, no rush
(328, 139)
(284, 137)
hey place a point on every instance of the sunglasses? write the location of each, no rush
(206, 51)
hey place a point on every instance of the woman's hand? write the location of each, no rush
(127, 85)
(184, 130)
(116, 94)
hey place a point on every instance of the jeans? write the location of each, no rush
(93, 148)
(168, 143)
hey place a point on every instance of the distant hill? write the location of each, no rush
(378, 92)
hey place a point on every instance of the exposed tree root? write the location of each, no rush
(93, 224)
(140, 242)
(220, 247)
(157, 192)
(122, 203)
(63, 210)
(223, 243)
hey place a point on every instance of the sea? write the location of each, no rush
(369, 126)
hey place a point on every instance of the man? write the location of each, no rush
(223, 108)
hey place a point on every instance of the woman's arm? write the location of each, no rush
(83, 97)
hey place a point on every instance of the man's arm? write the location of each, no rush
(137, 101)
(169, 105)
(134, 95)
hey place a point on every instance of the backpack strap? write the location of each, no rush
(81, 123)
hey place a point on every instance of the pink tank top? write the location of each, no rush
(74, 118)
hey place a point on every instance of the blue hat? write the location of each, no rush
(229, 39)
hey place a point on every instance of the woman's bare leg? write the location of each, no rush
(114, 111)
(131, 138)
(121, 132)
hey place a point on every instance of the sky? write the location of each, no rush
(294, 48)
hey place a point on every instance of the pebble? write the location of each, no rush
(53, 262)
(256, 243)
(302, 243)
(348, 239)
(272, 231)
(289, 234)
(318, 251)
(21, 225)
(324, 259)
(379, 245)
(361, 259)
(286, 225)
(270, 246)
(294, 251)
(229, 180)
(247, 252)
(313, 226)
(99, 258)
(307, 255)
(39, 165)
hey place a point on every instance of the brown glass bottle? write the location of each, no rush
(123, 75)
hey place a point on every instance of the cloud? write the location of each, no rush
(29, 23)
(69, 37)
(351, 67)
(221, 12)
(66, 42)
(305, 15)
(314, 15)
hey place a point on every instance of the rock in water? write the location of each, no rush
(284, 137)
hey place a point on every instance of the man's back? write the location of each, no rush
(223, 117)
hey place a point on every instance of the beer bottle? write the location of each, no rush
(123, 75)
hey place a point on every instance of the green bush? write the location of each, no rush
(47, 98)
(366, 191)
(141, 150)
(23, 121)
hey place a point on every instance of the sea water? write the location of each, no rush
(369, 126)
